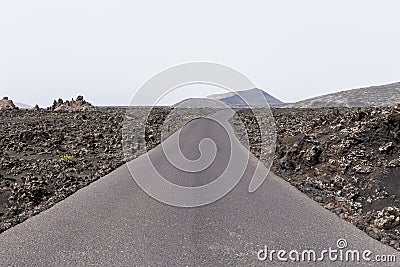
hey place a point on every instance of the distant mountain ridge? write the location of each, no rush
(198, 103)
(373, 96)
(22, 105)
(252, 96)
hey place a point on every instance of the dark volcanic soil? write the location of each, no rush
(46, 156)
(346, 159)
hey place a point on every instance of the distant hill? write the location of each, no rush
(252, 96)
(373, 96)
(22, 106)
(198, 103)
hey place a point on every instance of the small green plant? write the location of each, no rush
(392, 98)
(77, 116)
(68, 159)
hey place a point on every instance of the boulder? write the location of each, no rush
(388, 218)
(7, 104)
(74, 105)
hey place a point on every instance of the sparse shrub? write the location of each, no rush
(392, 98)
(68, 159)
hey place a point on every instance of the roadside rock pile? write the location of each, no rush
(7, 104)
(74, 105)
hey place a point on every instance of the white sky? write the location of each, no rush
(106, 49)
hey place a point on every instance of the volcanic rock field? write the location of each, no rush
(346, 159)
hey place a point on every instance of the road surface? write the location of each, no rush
(113, 222)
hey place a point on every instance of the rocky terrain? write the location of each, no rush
(348, 160)
(46, 156)
(345, 159)
(374, 96)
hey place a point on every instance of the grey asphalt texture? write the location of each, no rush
(113, 222)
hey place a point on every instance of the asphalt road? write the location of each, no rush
(114, 222)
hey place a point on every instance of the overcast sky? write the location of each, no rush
(106, 49)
